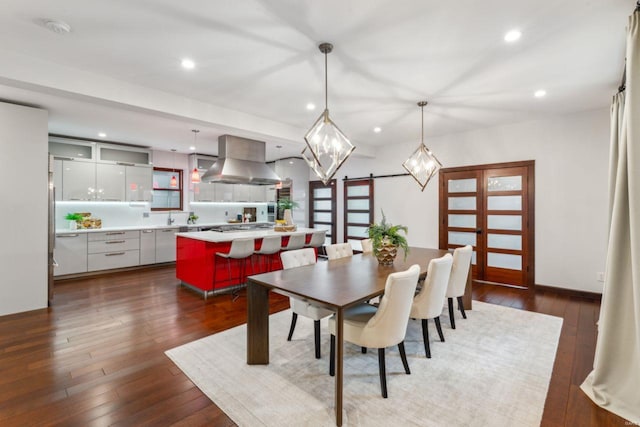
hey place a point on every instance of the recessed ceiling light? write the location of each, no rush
(377, 129)
(57, 27)
(512, 36)
(188, 64)
(311, 106)
(102, 135)
(290, 162)
(192, 148)
(540, 93)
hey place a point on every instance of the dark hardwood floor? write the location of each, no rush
(97, 356)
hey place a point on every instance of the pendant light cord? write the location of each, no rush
(326, 86)
(422, 127)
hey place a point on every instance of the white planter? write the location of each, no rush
(287, 217)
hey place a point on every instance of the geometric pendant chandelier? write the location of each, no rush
(327, 147)
(422, 164)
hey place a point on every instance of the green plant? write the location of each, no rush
(287, 203)
(74, 217)
(389, 234)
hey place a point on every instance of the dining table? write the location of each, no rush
(336, 285)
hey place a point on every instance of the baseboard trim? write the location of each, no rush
(571, 292)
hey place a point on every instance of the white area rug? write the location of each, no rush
(493, 370)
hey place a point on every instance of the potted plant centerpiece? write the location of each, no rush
(287, 204)
(386, 240)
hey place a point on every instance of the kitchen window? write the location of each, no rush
(166, 197)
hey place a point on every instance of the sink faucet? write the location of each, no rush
(170, 220)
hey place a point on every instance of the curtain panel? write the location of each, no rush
(613, 383)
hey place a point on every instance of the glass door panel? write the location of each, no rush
(490, 207)
(322, 208)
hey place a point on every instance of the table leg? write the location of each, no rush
(257, 324)
(339, 354)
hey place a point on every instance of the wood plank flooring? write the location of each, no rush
(97, 356)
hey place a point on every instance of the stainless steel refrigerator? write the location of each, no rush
(52, 229)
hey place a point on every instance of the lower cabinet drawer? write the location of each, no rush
(102, 246)
(116, 259)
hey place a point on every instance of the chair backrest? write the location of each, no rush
(317, 239)
(367, 246)
(270, 245)
(389, 325)
(241, 248)
(459, 271)
(428, 303)
(298, 258)
(339, 250)
(296, 241)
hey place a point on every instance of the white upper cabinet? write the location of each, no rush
(78, 180)
(242, 192)
(85, 170)
(139, 183)
(224, 192)
(258, 193)
(110, 182)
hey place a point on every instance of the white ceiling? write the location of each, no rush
(258, 66)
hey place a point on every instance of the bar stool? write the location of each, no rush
(270, 246)
(241, 249)
(317, 241)
(296, 241)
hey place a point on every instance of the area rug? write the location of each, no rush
(493, 370)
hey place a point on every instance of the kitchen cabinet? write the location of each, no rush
(138, 183)
(70, 253)
(123, 155)
(258, 193)
(242, 193)
(113, 249)
(72, 149)
(224, 192)
(78, 180)
(57, 179)
(110, 182)
(205, 192)
(166, 244)
(147, 247)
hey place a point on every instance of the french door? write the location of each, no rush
(322, 208)
(491, 208)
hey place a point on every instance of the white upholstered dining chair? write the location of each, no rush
(299, 258)
(458, 280)
(339, 250)
(367, 246)
(430, 300)
(382, 326)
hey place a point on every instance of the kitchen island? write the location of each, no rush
(199, 268)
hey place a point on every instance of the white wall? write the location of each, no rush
(24, 194)
(571, 164)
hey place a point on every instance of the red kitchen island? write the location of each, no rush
(198, 267)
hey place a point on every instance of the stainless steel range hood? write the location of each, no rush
(240, 161)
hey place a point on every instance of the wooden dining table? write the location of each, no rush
(336, 285)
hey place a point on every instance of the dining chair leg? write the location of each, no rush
(363, 350)
(425, 337)
(439, 328)
(332, 356)
(383, 372)
(461, 307)
(403, 356)
(294, 318)
(451, 318)
(316, 333)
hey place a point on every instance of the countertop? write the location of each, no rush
(216, 236)
(150, 227)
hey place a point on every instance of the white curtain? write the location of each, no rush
(614, 383)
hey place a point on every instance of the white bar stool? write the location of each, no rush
(296, 241)
(241, 249)
(270, 246)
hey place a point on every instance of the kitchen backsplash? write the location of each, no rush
(125, 214)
